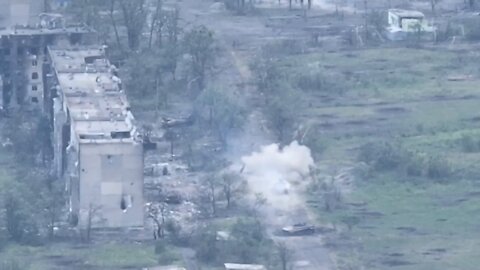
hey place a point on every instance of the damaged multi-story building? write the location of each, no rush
(26, 29)
(51, 66)
(98, 150)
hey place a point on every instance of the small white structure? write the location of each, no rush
(167, 267)
(236, 266)
(403, 22)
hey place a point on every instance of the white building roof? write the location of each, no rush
(407, 13)
(236, 266)
(92, 95)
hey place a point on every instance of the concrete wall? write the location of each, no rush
(111, 182)
(1, 91)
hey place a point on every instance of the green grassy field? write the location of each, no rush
(404, 96)
(409, 226)
(95, 256)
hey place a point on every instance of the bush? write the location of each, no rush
(11, 264)
(284, 47)
(438, 168)
(472, 30)
(249, 243)
(469, 143)
(316, 143)
(315, 81)
(206, 245)
(389, 157)
(160, 247)
(382, 156)
(168, 257)
(415, 165)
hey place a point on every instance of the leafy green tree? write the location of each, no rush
(282, 110)
(206, 244)
(198, 42)
(250, 242)
(222, 113)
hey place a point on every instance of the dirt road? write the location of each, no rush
(240, 37)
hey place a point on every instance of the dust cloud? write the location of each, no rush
(273, 170)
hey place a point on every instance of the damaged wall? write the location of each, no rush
(111, 182)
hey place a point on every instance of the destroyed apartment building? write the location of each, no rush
(49, 66)
(97, 148)
(25, 32)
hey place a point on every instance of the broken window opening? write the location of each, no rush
(34, 75)
(74, 219)
(34, 87)
(120, 135)
(34, 100)
(126, 202)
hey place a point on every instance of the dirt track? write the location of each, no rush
(240, 37)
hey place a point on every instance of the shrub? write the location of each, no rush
(438, 168)
(472, 31)
(415, 165)
(388, 157)
(469, 143)
(382, 156)
(206, 245)
(160, 247)
(316, 81)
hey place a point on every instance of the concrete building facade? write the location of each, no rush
(98, 150)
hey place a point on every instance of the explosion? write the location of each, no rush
(273, 170)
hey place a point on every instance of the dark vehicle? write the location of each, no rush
(298, 229)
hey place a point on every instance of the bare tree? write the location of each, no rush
(199, 44)
(157, 214)
(433, 5)
(171, 25)
(92, 214)
(212, 186)
(157, 23)
(232, 186)
(284, 255)
(134, 13)
(53, 198)
(114, 22)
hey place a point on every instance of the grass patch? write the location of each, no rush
(384, 73)
(410, 226)
(100, 256)
(400, 216)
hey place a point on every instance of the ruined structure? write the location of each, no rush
(25, 32)
(49, 66)
(98, 150)
(402, 23)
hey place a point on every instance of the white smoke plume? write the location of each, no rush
(273, 170)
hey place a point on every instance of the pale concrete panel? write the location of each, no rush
(110, 171)
(111, 188)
